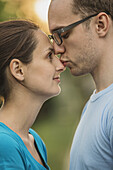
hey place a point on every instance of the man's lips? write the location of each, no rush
(65, 63)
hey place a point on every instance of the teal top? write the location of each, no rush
(14, 155)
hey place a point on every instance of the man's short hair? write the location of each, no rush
(86, 7)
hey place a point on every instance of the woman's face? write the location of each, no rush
(43, 73)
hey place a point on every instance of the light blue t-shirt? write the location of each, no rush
(14, 155)
(92, 147)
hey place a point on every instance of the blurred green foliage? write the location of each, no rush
(59, 116)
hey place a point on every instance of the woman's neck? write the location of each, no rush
(20, 113)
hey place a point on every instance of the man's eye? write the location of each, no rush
(65, 35)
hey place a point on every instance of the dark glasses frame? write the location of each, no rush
(67, 28)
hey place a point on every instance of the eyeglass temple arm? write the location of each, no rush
(77, 23)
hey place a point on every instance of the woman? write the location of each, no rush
(29, 75)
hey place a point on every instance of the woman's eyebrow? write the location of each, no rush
(50, 49)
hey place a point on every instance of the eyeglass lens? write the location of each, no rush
(57, 38)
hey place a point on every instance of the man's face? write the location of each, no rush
(79, 51)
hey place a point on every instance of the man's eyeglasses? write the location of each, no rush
(56, 36)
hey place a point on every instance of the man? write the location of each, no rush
(82, 31)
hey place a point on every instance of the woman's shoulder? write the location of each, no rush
(11, 154)
(7, 143)
(9, 140)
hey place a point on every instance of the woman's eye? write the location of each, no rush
(50, 56)
(65, 35)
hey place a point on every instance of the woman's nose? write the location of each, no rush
(59, 66)
(58, 49)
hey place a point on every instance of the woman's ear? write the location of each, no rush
(17, 69)
(102, 24)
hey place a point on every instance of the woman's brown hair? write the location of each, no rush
(17, 40)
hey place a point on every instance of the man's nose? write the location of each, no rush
(58, 49)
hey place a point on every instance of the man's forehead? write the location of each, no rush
(60, 14)
(59, 6)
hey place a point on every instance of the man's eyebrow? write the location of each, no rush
(57, 28)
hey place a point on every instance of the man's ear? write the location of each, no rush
(102, 24)
(17, 69)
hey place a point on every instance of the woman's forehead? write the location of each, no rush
(43, 41)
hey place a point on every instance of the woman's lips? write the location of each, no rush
(57, 79)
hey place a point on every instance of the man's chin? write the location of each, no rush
(75, 72)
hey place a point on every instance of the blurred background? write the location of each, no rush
(59, 116)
